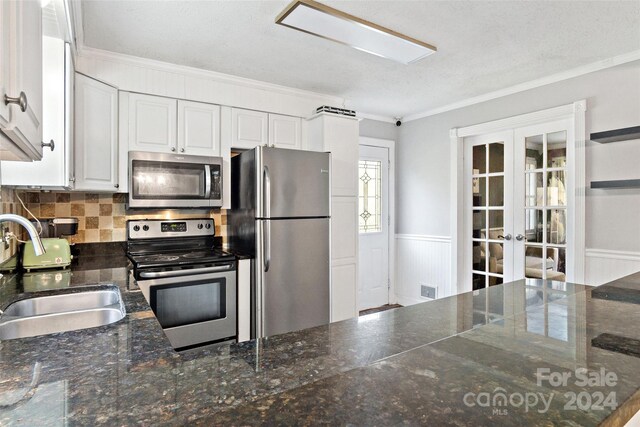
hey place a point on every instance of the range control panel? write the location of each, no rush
(159, 228)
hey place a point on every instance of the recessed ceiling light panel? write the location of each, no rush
(323, 21)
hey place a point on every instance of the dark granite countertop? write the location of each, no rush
(413, 365)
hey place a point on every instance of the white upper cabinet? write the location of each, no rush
(285, 131)
(249, 128)
(21, 79)
(152, 123)
(198, 128)
(55, 170)
(96, 135)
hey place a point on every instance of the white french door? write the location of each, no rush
(488, 164)
(517, 202)
(545, 196)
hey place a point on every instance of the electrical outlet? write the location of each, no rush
(428, 291)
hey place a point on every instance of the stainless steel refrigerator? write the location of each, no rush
(280, 216)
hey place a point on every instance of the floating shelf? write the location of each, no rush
(615, 135)
(619, 183)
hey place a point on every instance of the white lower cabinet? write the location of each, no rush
(96, 135)
(344, 257)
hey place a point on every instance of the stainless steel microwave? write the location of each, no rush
(159, 180)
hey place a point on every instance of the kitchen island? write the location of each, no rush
(432, 363)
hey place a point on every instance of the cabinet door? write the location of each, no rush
(4, 61)
(25, 74)
(344, 257)
(284, 131)
(152, 123)
(96, 131)
(248, 128)
(198, 128)
(53, 170)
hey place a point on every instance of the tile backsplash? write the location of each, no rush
(10, 204)
(102, 217)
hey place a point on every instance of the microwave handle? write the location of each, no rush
(207, 181)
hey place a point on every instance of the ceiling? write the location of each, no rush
(483, 46)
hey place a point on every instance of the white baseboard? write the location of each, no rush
(405, 300)
(605, 265)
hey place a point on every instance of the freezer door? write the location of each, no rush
(293, 183)
(294, 289)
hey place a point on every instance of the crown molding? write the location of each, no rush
(554, 78)
(376, 117)
(90, 52)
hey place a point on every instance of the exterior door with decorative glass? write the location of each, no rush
(373, 184)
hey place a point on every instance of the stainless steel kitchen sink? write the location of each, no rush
(61, 303)
(61, 313)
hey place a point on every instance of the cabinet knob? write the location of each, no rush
(21, 100)
(182, 150)
(117, 185)
(173, 148)
(49, 144)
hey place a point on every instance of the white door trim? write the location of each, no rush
(575, 112)
(391, 146)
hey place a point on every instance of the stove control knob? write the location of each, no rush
(199, 226)
(145, 227)
(208, 226)
(136, 228)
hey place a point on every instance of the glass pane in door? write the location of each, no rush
(545, 205)
(370, 212)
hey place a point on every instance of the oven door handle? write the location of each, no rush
(207, 181)
(177, 273)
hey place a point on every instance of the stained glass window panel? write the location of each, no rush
(369, 214)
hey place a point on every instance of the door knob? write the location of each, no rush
(50, 144)
(21, 100)
(507, 237)
(520, 238)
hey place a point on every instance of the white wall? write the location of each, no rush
(613, 216)
(378, 129)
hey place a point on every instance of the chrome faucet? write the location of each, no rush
(33, 233)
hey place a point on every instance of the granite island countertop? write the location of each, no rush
(424, 364)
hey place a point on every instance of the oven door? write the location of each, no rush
(195, 309)
(174, 181)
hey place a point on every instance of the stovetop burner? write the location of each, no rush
(173, 244)
(182, 258)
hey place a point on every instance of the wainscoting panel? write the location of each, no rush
(422, 260)
(604, 265)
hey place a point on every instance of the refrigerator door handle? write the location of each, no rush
(267, 213)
